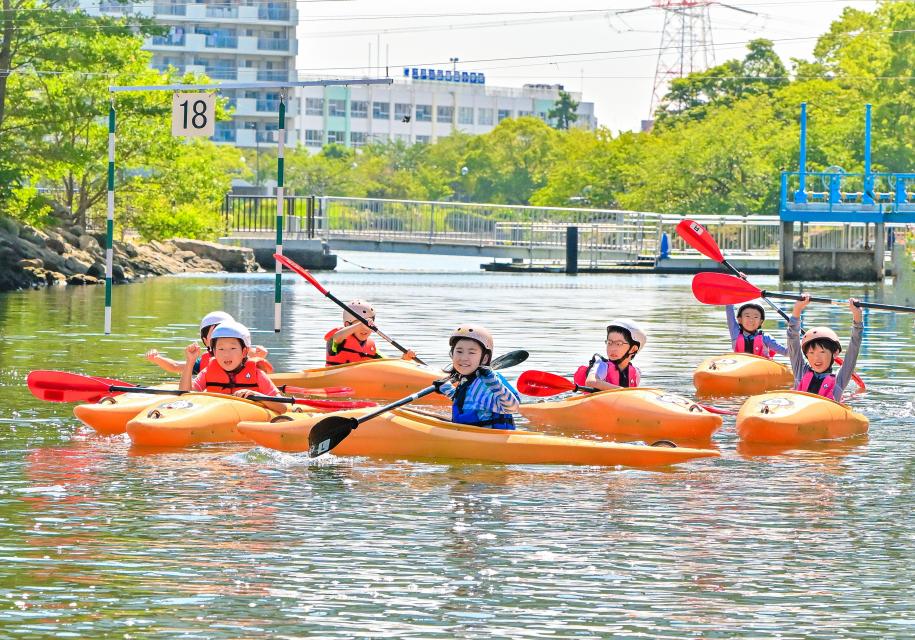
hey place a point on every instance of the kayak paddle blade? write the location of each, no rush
(60, 386)
(542, 384)
(326, 392)
(720, 288)
(328, 433)
(699, 239)
(510, 359)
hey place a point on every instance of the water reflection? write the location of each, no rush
(227, 541)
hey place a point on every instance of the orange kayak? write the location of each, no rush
(109, 416)
(194, 418)
(796, 417)
(640, 413)
(404, 433)
(740, 374)
(385, 379)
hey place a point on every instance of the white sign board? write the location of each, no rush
(194, 114)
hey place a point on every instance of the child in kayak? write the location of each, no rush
(480, 396)
(624, 339)
(207, 324)
(229, 371)
(746, 331)
(351, 342)
(819, 346)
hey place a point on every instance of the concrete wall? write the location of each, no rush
(844, 265)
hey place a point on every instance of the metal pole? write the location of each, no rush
(801, 195)
(868, 197)
(278, 285)
(109, 226)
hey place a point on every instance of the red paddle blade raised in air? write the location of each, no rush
(696, 236)
(720, 288)
(60, 386)
(541, 384)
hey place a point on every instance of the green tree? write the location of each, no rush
(563, 113)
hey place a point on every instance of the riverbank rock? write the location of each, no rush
(31, 258)
(232, 259)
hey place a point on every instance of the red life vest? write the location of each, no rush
(827, 387)
(759, 345)
(350, 350)
(218, 380)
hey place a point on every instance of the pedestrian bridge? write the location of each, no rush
(519, 233)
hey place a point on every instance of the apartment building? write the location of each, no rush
(230, 41)
(421, 106)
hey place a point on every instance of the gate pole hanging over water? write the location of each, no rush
(278, 285)
(109, 223)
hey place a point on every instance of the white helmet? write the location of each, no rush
(473, 332)
(361, 307)
(636, 335)
(215, 317)
(231, 329)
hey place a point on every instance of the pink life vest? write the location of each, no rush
(613, 374)
(827, 387)
(759, 346)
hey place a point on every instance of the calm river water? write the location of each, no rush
(99, 540)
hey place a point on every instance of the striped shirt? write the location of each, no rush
(488, 395)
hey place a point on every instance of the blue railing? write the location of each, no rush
(847, 197)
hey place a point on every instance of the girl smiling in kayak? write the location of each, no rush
(746, 331)
(229, 370)
(624, 339)
(480, 396)
(819, 346)
(352, 342)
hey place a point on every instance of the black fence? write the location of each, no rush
(257, 214)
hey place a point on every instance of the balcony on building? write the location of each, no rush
(220, 41)
(273, 44)
(166, 9)
(280, 14)
(270, 106)
(171, 40)
(272, 75)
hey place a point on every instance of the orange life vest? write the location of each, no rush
(350, 350)
(218, 380)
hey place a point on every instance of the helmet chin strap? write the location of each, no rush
(628, 356)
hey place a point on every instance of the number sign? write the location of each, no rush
(194, 114)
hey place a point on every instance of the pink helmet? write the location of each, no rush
(822, 333)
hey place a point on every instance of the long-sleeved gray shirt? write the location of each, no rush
(799, 363)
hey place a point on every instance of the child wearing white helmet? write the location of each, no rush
(813, 357)
(352, 341)
(746, 331)
(480, 396)
(207, 324)
(624, 339)
(229, 371)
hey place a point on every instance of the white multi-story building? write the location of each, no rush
(229, 41)
(419, 109)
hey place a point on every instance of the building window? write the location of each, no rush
(444, 114)
(336, 136)
(314, 106)
(465, 115)
(381, 110)
(504, 113)
(402, 137)
(424, 113)
(484, 116)
(314, 137)
(358, 109)
(525, 114)
(358, 138)
(423, 139)
(336, 108)
(402, 110)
